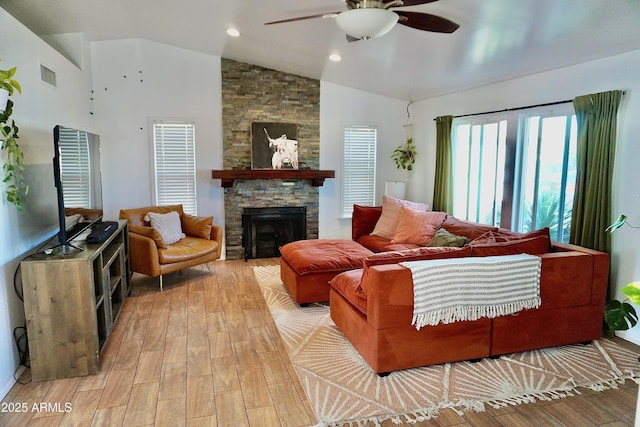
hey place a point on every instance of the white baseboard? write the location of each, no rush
(631, 335)
(7, 387)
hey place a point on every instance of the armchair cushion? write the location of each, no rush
(148, 232)
(187, 249)
(197, 226)
(137, 216)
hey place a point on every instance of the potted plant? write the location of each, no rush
(620, 315)
(13, 166)
(404, 155)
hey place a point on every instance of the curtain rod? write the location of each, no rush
(520, 108)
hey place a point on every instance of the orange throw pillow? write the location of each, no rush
(417, 227)
(197, 226)
(388, 222)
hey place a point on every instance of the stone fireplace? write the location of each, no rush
(255, 94)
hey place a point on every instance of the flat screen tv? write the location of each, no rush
(77, 177)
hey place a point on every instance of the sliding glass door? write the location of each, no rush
(547, 174)
(516, 170)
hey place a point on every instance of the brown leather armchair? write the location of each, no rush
(151, 256)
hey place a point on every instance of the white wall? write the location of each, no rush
(136, 81)
(616, 72)
(340, 106)
(36, 112)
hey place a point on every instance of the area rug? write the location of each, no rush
(343, 390)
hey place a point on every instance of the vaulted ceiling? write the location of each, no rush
(497, 39)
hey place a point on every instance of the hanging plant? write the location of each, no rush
(405, 155)
(13, 166)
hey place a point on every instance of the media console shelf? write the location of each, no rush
(228, 176)
(71, 304)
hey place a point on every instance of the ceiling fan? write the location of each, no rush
(367, 19)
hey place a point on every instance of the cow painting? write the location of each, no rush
(285, 151)
(274, 145)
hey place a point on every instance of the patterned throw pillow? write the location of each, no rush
(168, 225)
(445, 239)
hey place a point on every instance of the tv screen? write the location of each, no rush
(76, 170)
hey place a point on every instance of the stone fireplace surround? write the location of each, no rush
(255, 94)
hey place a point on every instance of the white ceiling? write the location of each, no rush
(497, 39)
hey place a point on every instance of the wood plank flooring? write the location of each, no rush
(206, 352)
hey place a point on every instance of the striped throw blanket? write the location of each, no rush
(450, 290)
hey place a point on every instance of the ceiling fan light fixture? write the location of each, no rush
(366, 23)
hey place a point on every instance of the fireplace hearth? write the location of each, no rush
(264, 230)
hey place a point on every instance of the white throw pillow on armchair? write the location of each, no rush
(168, 225)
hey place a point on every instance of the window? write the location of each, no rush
(75, 168)
(516, 171)
(359, 167)
(175, 164)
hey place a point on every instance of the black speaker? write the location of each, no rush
(101, 231)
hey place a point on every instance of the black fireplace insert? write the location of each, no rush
(264, 230)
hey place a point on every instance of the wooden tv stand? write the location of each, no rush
(71, 304)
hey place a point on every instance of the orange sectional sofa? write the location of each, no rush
(373, 305)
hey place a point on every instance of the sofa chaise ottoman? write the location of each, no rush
(306, 266)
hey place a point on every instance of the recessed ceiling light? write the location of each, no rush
(335, 57)
(233, 32)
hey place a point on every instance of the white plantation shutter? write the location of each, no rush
(359, 167)
(75, 168)
(175, 165)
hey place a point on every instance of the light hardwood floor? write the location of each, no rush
(205, 352)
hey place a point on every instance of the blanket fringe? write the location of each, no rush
(460, 313)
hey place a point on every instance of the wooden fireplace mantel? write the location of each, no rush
(316, 177)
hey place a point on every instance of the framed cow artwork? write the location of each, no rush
(274, 145)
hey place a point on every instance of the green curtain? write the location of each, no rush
(443, 188)
(596, 116)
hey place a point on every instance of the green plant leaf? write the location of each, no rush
(17, 86)
(632, 291)
(619, 316)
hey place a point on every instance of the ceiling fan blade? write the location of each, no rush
(409, 2)
(352, 39)
(302, 18)
(426, 22)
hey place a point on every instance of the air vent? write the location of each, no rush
(47, 75)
